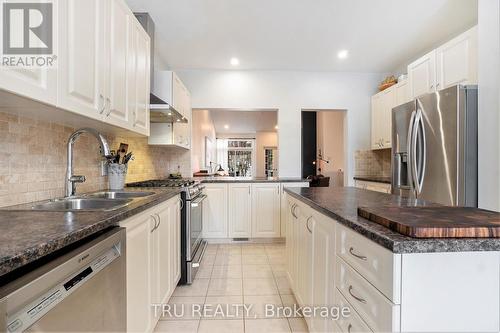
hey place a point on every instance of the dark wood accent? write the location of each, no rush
(308, 143)
(436, 222)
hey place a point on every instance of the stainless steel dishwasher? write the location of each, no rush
(80, 291)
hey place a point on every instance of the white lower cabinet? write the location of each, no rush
(329, 264)
(153, 262)
(373, 186)
(215, 211)
(323, 269)
(284, 204)
(139, 272)
(240, 210)
(266, 210)
(245, 210)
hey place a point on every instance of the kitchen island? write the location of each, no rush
(393, 283)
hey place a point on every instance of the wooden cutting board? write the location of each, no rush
(436, 222)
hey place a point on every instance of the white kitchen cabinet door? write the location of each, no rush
(240, 210)
(79, 85)
(139, 73)
(284, 204)
(377, 109)
(304, 268)
(176, 240)
(290, 241)
(163, 237)
(323, 269)
(456, 61)
(388, 102)
(139, 273)
(39, 84)
(215, 211)
(402, 93)
(117, 102)
(266, 210)
(422, 75)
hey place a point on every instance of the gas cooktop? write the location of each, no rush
(164, 183)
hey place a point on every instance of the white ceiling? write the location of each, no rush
(244, 122)
(380, 35)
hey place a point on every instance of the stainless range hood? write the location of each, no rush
(160, 111)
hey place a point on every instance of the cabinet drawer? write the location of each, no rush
(375, 309)
(353, 323)
(379, 266)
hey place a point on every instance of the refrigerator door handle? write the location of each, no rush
(418, 167)
(421, 130)
(413, 152)
(410, 149)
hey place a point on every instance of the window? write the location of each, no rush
(237, 156)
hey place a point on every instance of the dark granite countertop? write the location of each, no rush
(341, 204)
(222, 179)
(376, 179)
(27, 235)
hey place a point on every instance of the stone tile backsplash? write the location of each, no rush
(33, 160)
(373, 163)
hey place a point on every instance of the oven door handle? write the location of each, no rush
(196, 202)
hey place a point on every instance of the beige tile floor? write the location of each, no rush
(236, 274)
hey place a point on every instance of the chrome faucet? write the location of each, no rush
(71, 179)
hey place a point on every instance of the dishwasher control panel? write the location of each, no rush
(33, 311)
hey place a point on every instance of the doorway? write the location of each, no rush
(324, 140)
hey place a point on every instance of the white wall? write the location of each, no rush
(489, 104)
(203, 126)
(264, 140)
(290, 92)
(330, 139)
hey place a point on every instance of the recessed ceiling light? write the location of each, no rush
(170, 113)
(343, 54)
(235, 61)
(226, 126)
(276, 127)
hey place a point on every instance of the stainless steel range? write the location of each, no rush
(192, 245)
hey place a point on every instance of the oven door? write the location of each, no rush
(194, 225)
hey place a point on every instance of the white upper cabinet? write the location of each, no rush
(117, 109)
(452, 63)
(80, 86)
(422, 75)
(103, 66)
(382, 104)
(266, 210)
(240, 210)
(138, 71)
(36, 83)
(402, 92)
(456, 61)
(169, 88)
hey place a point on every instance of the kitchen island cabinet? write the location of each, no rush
(390, 282)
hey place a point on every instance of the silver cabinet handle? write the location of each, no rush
(108, 102)
(349, 328)
(159, 220)
(359, 299)
(307, 224)
(103, 103)
(156, 223)
(181, 202)
(293, 210)
(351, 251)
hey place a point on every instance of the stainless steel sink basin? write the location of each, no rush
(119, 195)
(82, 204)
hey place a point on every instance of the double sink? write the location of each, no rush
(99, 201)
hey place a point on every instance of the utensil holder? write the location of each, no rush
(116, 176)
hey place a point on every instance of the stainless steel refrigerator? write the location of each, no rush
(434, 147)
